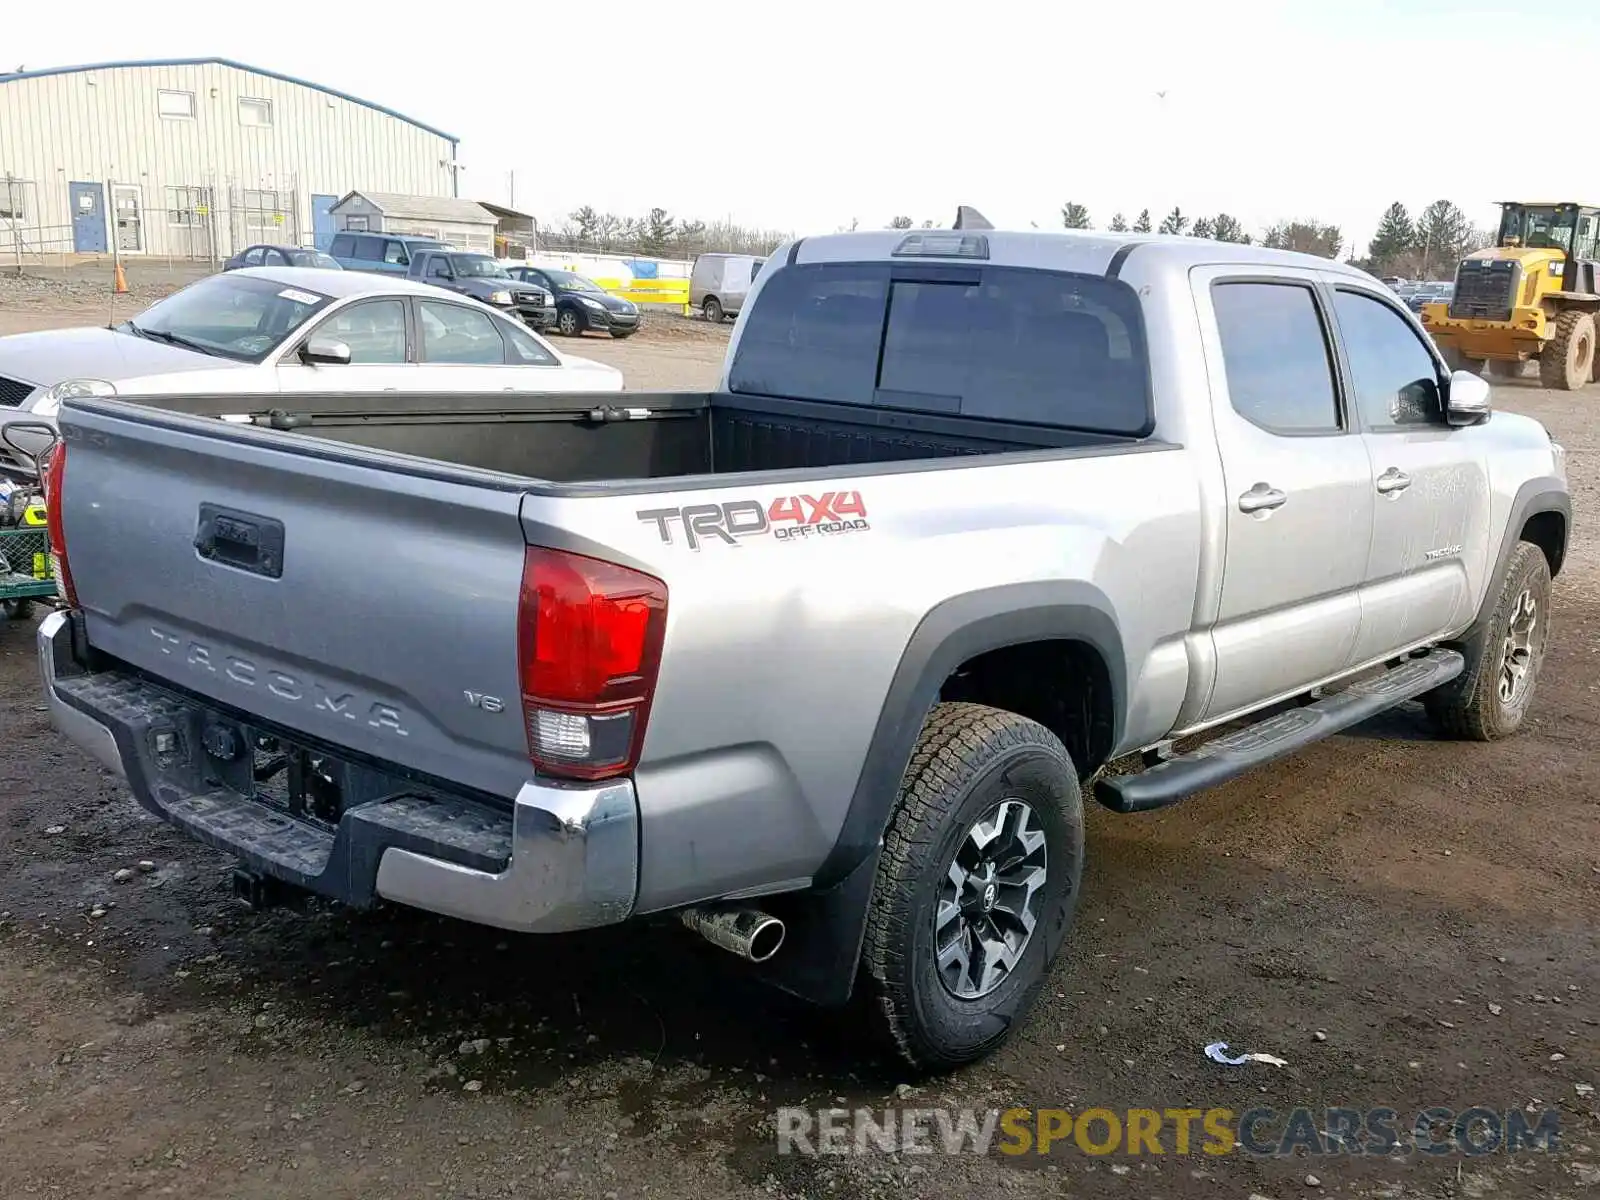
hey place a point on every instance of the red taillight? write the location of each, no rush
(589, 639)
(55, 475)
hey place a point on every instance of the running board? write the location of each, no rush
(1282, 734)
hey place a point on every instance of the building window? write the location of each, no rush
(254, 112)
(187, 206)
(356, 223)
(13, 198)
(175, 104)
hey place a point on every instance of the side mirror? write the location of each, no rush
(325, 350)
(1466, 399)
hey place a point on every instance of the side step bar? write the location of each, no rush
(1233, 754)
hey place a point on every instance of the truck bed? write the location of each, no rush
(582, 438)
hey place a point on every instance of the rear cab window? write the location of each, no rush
(1001, 343)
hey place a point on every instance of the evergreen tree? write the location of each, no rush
(1119, 224)
(1075, 216)
(1394, 240)
(1142, 225)
(1174, 222)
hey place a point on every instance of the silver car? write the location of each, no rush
(281, 330)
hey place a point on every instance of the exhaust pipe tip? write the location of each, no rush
(749, 933)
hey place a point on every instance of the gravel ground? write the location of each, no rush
(1407, 922)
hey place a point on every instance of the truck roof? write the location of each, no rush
(1088, 252)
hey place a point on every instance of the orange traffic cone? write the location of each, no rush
(119, 284)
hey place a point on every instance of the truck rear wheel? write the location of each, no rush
(1490, 698)
(1567, 362)
(712, 310)
(976, 884)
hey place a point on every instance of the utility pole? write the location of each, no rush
(513, 203)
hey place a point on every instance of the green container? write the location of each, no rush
(25, 572)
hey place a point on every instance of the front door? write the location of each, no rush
(1297, 491)
(322, 229)
(1430, 484)
(380, 359)
(129, 215)
(88, 201)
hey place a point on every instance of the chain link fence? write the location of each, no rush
(177, 223)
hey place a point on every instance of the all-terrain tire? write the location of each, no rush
(969, 761)
(712, 310)
(1506, 368)
(1476, 705)
(1567, 362)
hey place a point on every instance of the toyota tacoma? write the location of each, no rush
(976, 525)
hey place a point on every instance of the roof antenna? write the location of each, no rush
(968, 217)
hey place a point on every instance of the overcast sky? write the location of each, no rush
(805, 114)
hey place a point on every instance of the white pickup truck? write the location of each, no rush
(824, 660)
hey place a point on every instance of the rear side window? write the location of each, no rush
(342, 246)
(1275, 355)
(1001, 343)
(369, 249)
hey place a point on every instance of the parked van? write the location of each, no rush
(383, 253)
(719, 283)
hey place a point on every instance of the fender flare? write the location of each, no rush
(948, 635)
(1545, 494)
(828, 924)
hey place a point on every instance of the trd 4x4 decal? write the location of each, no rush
(788, 518)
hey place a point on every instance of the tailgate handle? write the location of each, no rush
(240, 540)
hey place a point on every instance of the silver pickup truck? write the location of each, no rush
(823, 662)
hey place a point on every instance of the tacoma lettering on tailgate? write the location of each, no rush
(788, 518)
(197, 656)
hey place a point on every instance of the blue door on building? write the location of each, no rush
(322, 220)
(88, 202)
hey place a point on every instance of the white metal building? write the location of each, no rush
(195, 157)
(463, 223)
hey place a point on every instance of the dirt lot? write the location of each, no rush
(1408, 923)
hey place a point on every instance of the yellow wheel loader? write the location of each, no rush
(1534, 294)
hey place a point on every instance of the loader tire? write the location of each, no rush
(1568, 361)
(976, 884)
(1489, 699)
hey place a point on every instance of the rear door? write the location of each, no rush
(460, 349)
(1297, 489)
(370, 608)
(1429, 483)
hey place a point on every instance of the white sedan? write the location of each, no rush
(286, 330)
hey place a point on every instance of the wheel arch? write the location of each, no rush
(1541, 513)
(1070, 619)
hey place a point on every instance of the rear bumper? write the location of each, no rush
(1523, 335)
(564, 858)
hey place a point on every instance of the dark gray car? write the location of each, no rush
(479, 276)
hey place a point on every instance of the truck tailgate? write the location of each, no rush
(364, 607)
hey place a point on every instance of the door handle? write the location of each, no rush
(1393, 481)
(1262, 498)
